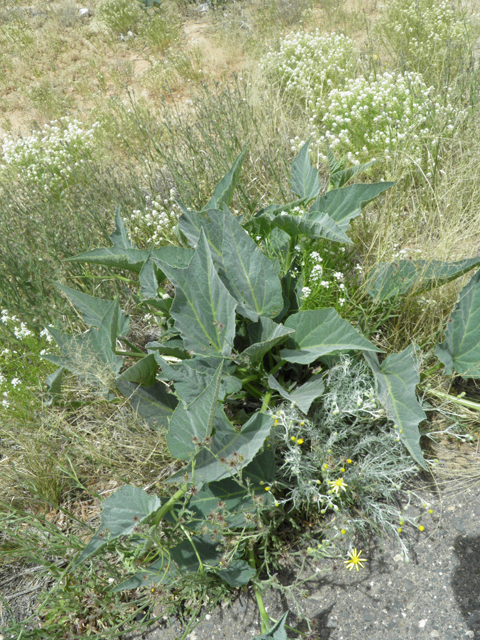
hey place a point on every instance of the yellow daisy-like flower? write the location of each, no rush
(349, 461)
(355, 560)
(336, 485)
(300, 441)
(421, 527)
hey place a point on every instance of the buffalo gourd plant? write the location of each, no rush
(234, 341)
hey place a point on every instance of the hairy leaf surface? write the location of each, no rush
(195, 420)
(203, 310)
(93, 309)
(405, 276)
(121, 513)
(396, 381)
(302, 396)
(319, 332)
(154, 403)
(343, 205)
(461, 348)
(304, 181)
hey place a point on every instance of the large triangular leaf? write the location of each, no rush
(277, 632)
(91, 355)
(154, 403)
(193, 375)
(134, 259)
(461, 348)
(264, 335)
(339, 176)
(304, 181)
(194, 421)
(203, 310)
(150, 278)
(237, 573)
(396, 380)
(302, 396)
(223, 192)
(143, 372)
(180, 560)
(319, 332)
(94, 309)
(54, 384)
(220, 461)
(212, 222)
(120, 237)
(129, 259)
(237, 500)
(387, 280)
(322, 227)
(342, 205)
(248, 274)
(121, 513)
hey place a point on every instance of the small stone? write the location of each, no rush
(83, 12)
(422, 623)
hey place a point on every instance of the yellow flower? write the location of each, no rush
(421, 527)
(300, 441)
(267, 488)
(343, 532)
(349, 461)
(337, 485)
(342, 470)
(355, 560)
(325, 466)
(399, 529)
(275, 422)
(430, 511)
(293, 439)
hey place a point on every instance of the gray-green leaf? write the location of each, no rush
(195, 420)
(304, 181)
(406, 276)
(264, 335)
(248, 274)
(304, 395)
(94, 309)
(220, 461)
(319, 332)
(223, 192)
(342, 205)
(203, 310)
(121, 513)
(461, 348)
(154, 404)
(277, 632)
(396, 381)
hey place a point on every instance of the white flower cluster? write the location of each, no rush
(309, 65)
(49, 156)
(424, 32)
(155, 223)
(359, 117)
(376, 116)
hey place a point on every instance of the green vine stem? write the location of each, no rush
(469, 404)
(264, 617)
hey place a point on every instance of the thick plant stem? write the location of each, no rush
(264, 617)
(469, 404)
(162, 512)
